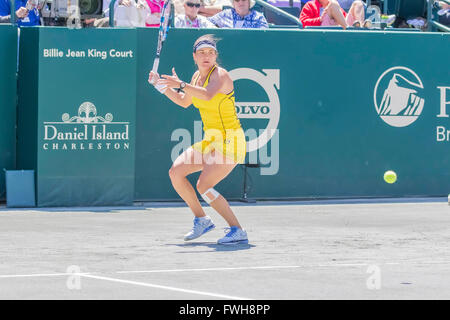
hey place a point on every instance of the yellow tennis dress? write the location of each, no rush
(221, 126)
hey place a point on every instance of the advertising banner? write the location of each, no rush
(325, 113)
(84, 118)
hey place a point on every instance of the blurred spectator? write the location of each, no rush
(388, 19)
(127, 13)
(240, 16)
(345, 4)
(178, 5)
(191, 19)
(443, 17)
(417, 23)
(356, 13)
(287, 3)
(444, 13)
(154, 19)
(32, 17)
(330, 13)
(132, 13)
(210, 8)
(20, 14)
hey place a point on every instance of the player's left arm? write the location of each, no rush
(181, 98)
(218, 82)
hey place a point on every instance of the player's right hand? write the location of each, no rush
(153, 77)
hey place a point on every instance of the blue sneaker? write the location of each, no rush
(201, 226)
(234, 235)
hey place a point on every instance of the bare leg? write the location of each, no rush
(211, 175)
(184, 165)
(357, 11)
(334, 11)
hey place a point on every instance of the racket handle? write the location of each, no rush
(155, 68)
(155, 65)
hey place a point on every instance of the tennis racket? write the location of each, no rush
(162, 35)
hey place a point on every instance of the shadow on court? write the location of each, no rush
(214, 246)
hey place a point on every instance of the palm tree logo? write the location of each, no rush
(87, 113)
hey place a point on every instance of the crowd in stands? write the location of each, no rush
(444, 13)
(217, 13)
(331, 13)
(26, 14)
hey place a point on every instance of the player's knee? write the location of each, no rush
(202, 186)
(174, 173)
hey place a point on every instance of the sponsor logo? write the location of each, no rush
(86, 131)
(398, 99)
(398, 96)
(270, 110)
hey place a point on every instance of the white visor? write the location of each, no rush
(205, 45)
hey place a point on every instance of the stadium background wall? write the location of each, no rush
(332, 142)
(8, 85)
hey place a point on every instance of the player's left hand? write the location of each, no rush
(170, 81)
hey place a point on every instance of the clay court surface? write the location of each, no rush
(378, 249)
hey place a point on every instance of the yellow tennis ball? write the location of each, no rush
(390, 176)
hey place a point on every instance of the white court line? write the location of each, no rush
(432, 262)
(231, 268)
(342, 265)
(208, 269)
(247, 268)
(145, 271)
(144, 284)
(195, 270)
(6, 276)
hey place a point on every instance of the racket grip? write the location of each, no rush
(155, 68)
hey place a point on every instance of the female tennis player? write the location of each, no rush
(223, 146)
